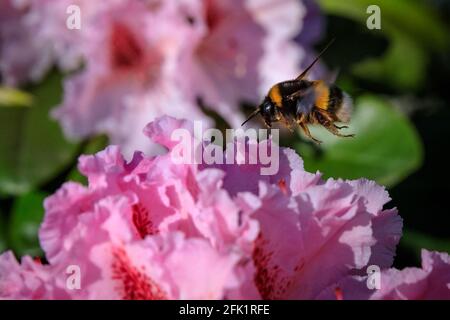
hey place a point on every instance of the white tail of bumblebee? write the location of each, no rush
(345, 111)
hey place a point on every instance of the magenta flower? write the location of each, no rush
(154, 229)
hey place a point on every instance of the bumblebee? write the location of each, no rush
(302, 102)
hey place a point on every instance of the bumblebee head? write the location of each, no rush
(268, 111)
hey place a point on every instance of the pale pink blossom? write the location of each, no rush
(23, 57)
(127, 80)
(34, 37)
(143, 59)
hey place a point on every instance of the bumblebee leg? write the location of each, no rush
(289, 124)
(325, 119)
(333, 129)
(322, 116)
(307, 133)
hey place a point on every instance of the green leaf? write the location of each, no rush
(32, 147)
(26, 217)
(386, 147)
(403, 66)
(414, 30)
(410, 17)
(11, 97)
(416, 241)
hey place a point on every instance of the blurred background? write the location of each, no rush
(398, 77)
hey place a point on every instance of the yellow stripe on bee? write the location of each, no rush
(275, 96)
(322, 95)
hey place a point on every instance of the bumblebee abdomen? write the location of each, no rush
(340, 104)
(335, 99)
(322, 94)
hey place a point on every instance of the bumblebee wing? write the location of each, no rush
(306, 102)
(331, 76)
(305, 72)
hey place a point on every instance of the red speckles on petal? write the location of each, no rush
(282, 185)
(267, 277)
(299, 267)
(213, 15)
(135, 284)
(192, 185)
(126, 51)
(338, 293)
(141, 220)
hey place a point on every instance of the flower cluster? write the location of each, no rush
(146, 58)
(152, 229)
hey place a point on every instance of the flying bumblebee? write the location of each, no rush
(302, 102)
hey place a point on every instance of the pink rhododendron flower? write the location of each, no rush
(33, 37)
(430, 282)
(128, 79)
(16, 64)
(143, 59)
(153, 229)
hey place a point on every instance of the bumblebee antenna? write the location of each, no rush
(254, 113)
(303, 74)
